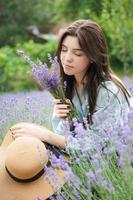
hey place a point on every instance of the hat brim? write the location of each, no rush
(12, 190)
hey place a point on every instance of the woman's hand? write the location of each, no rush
(61, 110)
(28, 129)
(40, 132)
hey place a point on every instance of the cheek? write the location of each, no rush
(83, 62)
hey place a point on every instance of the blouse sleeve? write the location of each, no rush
(110, 112)
(57, 124)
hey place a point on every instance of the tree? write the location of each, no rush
(117, 21)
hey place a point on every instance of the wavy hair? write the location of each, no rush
(93, 44)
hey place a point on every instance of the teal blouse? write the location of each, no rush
(111, 100)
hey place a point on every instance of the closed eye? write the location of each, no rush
(75, 51)
(78, 54)
(63, 49)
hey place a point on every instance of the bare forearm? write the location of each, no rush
(40, 132)
(53, 138)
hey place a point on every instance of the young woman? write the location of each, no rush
(92, 87)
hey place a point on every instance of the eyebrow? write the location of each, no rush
(73, 49)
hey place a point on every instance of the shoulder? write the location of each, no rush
(108, 86)
(108, 92)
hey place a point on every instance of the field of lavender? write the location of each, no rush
(35, 107)
(101, 174)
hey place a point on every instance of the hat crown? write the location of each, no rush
(26, 157)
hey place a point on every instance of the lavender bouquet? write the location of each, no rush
(49, 79)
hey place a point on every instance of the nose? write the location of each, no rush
(68, 57)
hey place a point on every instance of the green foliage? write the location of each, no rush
(116, 20)
(17, 15)
(14, 71)
(71, 10)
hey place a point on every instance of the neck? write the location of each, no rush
(80, 80)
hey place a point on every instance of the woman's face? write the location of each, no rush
(73, 59)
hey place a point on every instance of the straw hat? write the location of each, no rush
(22, 175)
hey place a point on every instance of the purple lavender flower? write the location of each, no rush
(34, 107)
(58, 162)
(46, 78)
(129, 83)
(91, 175)
(65, 85)
(49, 79)
(21, 53)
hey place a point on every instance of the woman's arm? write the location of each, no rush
(28, 129)
(44, 134)
(53, 138)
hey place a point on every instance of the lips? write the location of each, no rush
(68, 66)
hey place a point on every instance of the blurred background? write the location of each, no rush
(35, 26)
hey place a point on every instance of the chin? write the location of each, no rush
(68, 73)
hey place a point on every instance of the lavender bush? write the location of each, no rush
(104, 172)
(32, 106)
(108, 172)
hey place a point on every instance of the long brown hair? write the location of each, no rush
(93, 43)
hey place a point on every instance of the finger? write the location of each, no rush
(62, 106)
(62, 115)
(20, 135)
(56, 101)
(17, 136)
(15, 132)
(15, 128)
(63, 111)
(68, 101)
(20, 124)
